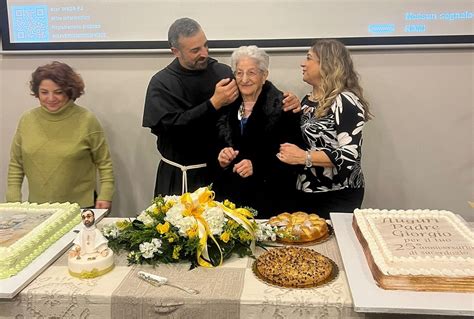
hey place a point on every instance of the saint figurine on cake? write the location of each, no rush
(90, 256)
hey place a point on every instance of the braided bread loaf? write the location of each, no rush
(299, 227)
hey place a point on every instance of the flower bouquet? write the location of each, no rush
(191, 227)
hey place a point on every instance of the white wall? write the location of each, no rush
(418, 151)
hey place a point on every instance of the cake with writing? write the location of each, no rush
(27, 230)
(424, 250)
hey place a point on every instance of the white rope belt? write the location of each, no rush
(184, 169)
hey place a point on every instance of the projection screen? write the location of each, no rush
(143, 24)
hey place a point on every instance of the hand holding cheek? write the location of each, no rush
(226, 92)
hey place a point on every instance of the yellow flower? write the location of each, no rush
(163, 228)
(229, 204)
(192, 232)
(206, 196)
(122, 224)
(232, 224)
(244, 212)
(167, 206)
(176, 251)
(187, 213)
(245, 236)
(171, 239)
(225, 236)
(212, 204)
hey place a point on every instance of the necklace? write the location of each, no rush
(245, 110)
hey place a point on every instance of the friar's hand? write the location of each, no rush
(244, 168)
(226, 156)
(226, 92)
(291, 102)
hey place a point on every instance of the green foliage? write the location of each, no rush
(153, 239)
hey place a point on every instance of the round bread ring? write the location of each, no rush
(302, 226)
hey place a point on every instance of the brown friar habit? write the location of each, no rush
(179, 113)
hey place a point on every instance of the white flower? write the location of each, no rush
(148, 249)
(215, 219)
(146, 219)
(110, 231)
(184, 224)
(265, 232)
(174, 214)
(172, 198)
(214, 216)
(175, 217)
(151, 208)
(157, 243)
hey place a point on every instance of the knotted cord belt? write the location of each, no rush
(184, 169)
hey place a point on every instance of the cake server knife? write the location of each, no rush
(160, 281)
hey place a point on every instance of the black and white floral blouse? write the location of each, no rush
(339, 135)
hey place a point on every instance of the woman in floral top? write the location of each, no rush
(333, 117)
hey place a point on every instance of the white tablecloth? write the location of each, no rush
(229, 291)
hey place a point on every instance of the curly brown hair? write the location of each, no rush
(61, 74)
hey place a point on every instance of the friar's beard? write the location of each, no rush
(89, 224)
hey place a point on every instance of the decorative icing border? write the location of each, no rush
(380, 252)
(22, 252)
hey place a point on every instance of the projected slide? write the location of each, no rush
(141, 20)
(46, 23)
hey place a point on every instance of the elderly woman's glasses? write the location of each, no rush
(252, 73)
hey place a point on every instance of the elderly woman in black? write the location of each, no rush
(250, 132)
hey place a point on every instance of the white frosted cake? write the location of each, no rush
(90, 256)
(425, 250)
(91, 266)
(27, 230)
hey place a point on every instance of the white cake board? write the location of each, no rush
(10, 287)
(368, 297)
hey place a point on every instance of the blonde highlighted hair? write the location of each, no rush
(337, 75)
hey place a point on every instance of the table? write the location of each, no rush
(229, 291)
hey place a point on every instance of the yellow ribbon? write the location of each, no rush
(204, 231)
(195, 209)
(240, 215)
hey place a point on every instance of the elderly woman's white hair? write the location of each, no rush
(251, 51)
